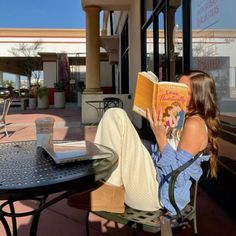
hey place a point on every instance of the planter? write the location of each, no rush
(32, 103)
(43, 102)
(79, 98)
(59, 99)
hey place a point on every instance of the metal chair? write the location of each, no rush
(6, 106)
(110, 102)
(158, 221)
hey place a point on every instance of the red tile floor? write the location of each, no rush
(62, 220)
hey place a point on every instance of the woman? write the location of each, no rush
(142, 176)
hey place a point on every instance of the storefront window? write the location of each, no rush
(149, 48)
(161, 47)
(148, 8)
(178, 40)
(214, 46)
(124, 83)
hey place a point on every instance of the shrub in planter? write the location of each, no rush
(42, 97)
(33, 96)
(59, 86)
(59, 95)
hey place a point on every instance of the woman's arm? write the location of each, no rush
(170, 159)
(194, 137)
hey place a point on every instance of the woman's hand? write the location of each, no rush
(157, 127)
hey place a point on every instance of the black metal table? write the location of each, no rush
(102, 105)
(28, 173)
(99, 106)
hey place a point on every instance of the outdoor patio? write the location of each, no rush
(62, 220)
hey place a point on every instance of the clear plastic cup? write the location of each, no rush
(44, 132)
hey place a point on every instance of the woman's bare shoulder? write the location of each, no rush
(194, 136)
(195, 122)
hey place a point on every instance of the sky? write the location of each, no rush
(66, 14)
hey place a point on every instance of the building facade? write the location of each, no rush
(167, 37)
(56, 47)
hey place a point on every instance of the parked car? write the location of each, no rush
(4, 92)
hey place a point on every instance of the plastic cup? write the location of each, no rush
(44, 132)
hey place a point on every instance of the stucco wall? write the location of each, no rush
(120, 18)
(106, 74)
(49, 69)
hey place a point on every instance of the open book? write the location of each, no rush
(77, 151)
(169, 99)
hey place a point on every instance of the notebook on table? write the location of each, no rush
(77, 151)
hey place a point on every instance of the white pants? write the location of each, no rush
(135, 170)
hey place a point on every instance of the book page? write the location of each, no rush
(153, 76)
(143, 94)
(150, 75)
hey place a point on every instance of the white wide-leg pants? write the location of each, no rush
(135, 170)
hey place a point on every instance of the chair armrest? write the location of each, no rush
(173, 179)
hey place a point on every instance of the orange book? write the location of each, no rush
(169, 99)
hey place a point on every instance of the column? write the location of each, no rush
(17, 86)
(92, 50)
(1, 79)
(28, 81)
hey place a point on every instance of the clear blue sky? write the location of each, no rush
(41, 14)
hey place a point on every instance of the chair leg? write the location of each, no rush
(166, 229)
(6, 130)
(87, 223)
(137, 229)
(134, 232)
(195, 224)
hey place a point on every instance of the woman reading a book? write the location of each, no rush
(141, 178)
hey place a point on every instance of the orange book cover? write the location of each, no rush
(169, 98)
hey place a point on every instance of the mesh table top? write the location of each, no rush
(27, 170)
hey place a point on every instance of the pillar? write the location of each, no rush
(92, 50)
(1, 79)
(28, 81)
(17, 85)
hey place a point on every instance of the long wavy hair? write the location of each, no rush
(203, 103)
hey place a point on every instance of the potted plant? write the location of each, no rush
(59, 95)
(42, 97)
(32, 97)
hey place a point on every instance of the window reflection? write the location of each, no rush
(125, 59)
(161, 48)
(178, 40)
(148, 7)
(214, 47)
(165, 56)
(149, 48)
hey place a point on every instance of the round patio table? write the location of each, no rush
(29, 173)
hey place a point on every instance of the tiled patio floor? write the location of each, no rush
(62, 220)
